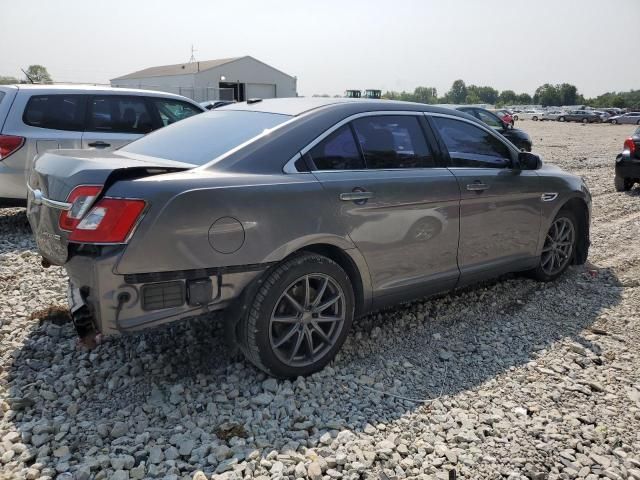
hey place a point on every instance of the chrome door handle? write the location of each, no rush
(355, 196)
(477, 187)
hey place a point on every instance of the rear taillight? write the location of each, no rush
(630, 145)
(109, 221)
(9, 144)
(81, 198)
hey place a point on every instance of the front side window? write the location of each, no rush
(393, 141)
(472, 146)
(172, 111)
(338, 151)
(57, 112)
(202, 138)
(119, 114)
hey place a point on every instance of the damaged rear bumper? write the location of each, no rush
(126, 303)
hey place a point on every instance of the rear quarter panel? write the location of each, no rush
(278, 213)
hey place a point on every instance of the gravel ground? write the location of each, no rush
(512, 379)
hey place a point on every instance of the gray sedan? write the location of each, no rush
(631, 118)
(297, 216)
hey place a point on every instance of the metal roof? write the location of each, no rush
(178, 69)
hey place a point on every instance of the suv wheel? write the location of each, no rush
(299, 317)
(622, 184)
(559, 247)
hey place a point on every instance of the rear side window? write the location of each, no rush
(172, 111)
(489, 119)
(393, 141)
(472, 146)
(119, 114)
(338, 151)
(58, 112)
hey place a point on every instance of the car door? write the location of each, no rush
(397, 201)
(500, 206)
(115, 120)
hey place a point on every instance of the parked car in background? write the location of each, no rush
(36, 118)
(551, 115)
(584, 116)
(632, 118)
(528, 115)
(168, 226)
(604, 116)
(516, 136)
(505, 115)
(628, 163)
(211, 104)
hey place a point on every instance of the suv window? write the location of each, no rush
(58, 112)
(489, 119)
(172, 111)
(338, 151)
(116, 113)
(472, 146)
(393, 141)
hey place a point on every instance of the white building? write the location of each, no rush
(236, 78)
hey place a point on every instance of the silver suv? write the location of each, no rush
(35, 118)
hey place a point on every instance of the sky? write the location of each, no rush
(331, 45)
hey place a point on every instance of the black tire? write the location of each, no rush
(585, 120)
(515, 117)
(254, 329)
(534, 118)
(622, 184)
(561, 119)
(614, 121)
(638, 122)
(539, 273)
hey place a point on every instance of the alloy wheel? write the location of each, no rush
(558, 246)
(307, 320)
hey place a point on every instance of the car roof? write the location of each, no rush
(103, 89)
(295, 106)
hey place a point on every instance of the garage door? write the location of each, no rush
(261, 90)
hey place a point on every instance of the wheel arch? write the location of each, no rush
(578, 206)
(354, 267)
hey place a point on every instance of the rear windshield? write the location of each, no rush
(200, 139)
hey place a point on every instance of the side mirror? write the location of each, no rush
(529, 161)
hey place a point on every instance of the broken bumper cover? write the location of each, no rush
(126, 303)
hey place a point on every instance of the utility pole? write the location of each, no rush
(193, 57)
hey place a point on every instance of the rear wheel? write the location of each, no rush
(622, 184)
(614, 121)
(585, 120)
(299, 318)
(638, 122)
(534, 118)
(559, 247)
(561, 119)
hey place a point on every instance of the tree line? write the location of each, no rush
(545, 95)
(33, 74)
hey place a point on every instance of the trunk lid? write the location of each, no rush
(56, 173)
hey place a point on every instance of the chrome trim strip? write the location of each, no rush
(39, 199)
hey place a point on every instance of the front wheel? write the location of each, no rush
(299, 318)
(558, 249)
(585, 120)
(534, 118)
(614, 121)
(561, 119)
(638, 122)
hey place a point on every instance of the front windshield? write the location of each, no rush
(202, 138)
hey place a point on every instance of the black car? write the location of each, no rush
(628, 163)
(516, 136)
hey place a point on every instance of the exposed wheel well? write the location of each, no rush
(348, 265)
(579, 208)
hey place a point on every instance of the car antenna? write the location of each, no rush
(27, 75)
